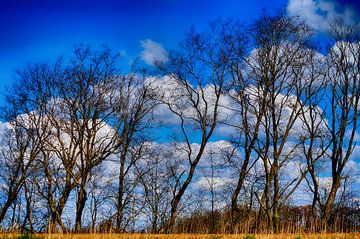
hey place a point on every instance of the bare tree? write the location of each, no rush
(70, 104)
(198, 71)
(24, 133)
(133, 108)
(16, 163)
(248, 107)
(282, 46)
(344, 95)
(79, 116)
(315, 138)
(155, 181)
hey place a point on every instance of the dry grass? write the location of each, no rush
(191, 236)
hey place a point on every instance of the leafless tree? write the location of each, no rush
(279, 62)
(24, 133)
(133, 106)
(344, 95)
(198, 71)
(315, 138)
(154, 181)
(248, 108)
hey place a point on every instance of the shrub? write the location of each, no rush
(215, 237)
(28, 236)
(248, 237)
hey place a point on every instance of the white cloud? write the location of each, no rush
(152, 52)
(208, 183)
(318, 14)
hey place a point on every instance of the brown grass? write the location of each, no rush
(191, 236)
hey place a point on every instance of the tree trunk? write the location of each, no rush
(275, 205)
(80, 205)
(174, 205)
(28, 216)
(5, 208)
(235, 195)
(120, 206)
(169, 227)
(330, 203)
(56, 211)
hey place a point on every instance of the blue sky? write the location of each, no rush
(43, 30)
(40, 30)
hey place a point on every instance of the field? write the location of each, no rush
(187, 236)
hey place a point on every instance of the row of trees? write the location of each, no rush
(79, 140)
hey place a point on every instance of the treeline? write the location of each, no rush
(230, 133)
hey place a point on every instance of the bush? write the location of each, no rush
(248, 237)
(28, 236)
(215, 237)
(298, 237)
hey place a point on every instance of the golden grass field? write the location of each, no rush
(191, 236)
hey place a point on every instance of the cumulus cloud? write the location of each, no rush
(152, 52)
(318, 14)
(207, 183)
